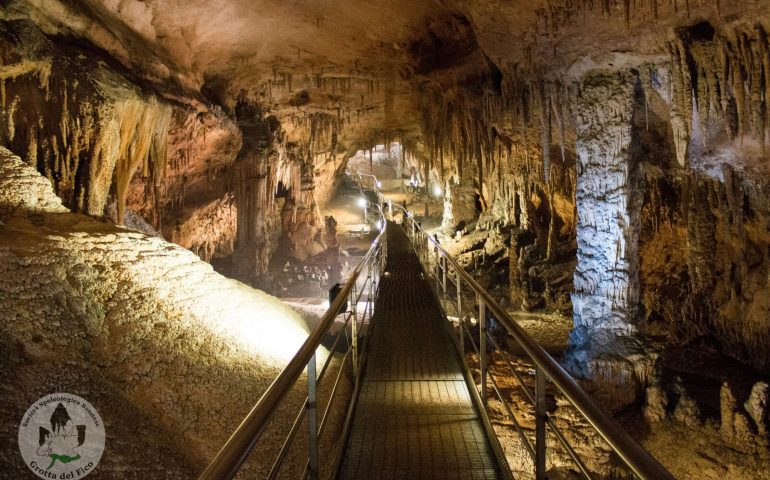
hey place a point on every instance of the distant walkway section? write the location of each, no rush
(415, 418)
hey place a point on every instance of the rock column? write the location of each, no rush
(459, 206)
(609, 201)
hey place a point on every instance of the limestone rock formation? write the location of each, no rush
(178, 344)
(23, 190)
(605, 159)
(459, 208)
(757, 407)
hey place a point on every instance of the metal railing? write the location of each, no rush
(356, 329)
(456, 289)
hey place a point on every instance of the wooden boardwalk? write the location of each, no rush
(415, 418)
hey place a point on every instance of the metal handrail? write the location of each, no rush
(629, 450)
(236, 450)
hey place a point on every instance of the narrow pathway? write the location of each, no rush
(415, 418)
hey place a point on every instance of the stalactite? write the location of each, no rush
(142, 133)
(545, 130)
(553, 242)
(727, 78)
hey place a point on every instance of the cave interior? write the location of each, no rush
(180, 187)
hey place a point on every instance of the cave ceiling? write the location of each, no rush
(365, 58)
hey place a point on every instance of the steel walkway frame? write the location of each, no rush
(454, 288)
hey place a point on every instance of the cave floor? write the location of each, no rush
(414, 417)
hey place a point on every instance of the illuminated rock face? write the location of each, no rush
(609, 200)
(608, 204)
(187, 349)
(23, 190)
(459, 207)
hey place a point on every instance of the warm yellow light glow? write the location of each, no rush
(262, 323)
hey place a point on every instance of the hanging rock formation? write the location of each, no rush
(611, 155)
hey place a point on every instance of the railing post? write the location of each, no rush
(370, 298)
(312, 420)
(354, 330)
(438, 267)
(540, 424)
(460, 312)
(483, 350)
(444, 261)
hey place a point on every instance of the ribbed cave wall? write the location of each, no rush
(650, 174)
(648, 222)
(210, 180)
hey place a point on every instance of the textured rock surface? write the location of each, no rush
(23, 190)
(459, 208)
(172, 340)
(608, 204)
(608, 195)
(616, 151)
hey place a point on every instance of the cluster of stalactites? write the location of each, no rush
(143, 141)
(319, 132)
(285, 167)
(83, 146)
(725, 78)
(347, 95)
(470, 136)
(331, 81)
(560, 13)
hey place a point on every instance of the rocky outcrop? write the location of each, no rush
(459, 207)
(176, 343)
(23, 190)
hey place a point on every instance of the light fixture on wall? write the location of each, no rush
(362, 202)
(437, 190)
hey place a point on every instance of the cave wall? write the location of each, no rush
(81, 123)
(486, 98)
(647, 168)
(232, 186)
(96, 308)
